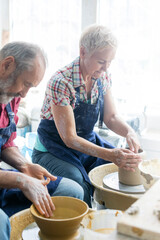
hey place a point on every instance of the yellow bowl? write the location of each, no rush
(65, 221)
(150, 172)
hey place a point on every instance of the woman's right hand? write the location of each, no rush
(124, 158)
(36, 191)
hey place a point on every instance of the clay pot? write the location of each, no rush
(65, 221)
(131, 178)
(150, 172)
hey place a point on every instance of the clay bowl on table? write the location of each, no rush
(131, 178)
(65, 221)
(150, 172)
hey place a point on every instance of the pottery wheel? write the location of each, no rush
(31, 232)
(112, 181)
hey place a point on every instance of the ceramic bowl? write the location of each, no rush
(150, 172)
(99, 224)
(65, 221)
(131, 178)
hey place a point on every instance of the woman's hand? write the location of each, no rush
(133, 141)
(36, 191)
(124, 158)
(36, 171)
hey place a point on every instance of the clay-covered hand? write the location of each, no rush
(36, 171)
(124, 158)
(133, 141)
(36, 191)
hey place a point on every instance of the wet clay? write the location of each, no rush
(150, 172)
(105, 230)
(131, 178)
(64, 213)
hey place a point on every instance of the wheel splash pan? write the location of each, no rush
(110, 198)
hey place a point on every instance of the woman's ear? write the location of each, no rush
(7, 66)
(82, 52)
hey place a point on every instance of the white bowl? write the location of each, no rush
(150, 172)
(99, 224)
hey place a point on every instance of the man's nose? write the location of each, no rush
(23, 92)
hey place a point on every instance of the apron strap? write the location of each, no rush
(101, 104)
(8, 130)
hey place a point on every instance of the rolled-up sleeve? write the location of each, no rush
(60, 92)
(107, 82)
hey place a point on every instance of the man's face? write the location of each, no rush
(6, 97)
(18, 86)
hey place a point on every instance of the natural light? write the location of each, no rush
(136, 70)
(56, 26)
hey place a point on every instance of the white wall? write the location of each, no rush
(150, 138)
(4, 18)
(89, 12)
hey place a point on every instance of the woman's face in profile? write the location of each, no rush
(98, 63)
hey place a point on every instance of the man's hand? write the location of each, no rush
(36, 171)
(36, 191)
(13, 157)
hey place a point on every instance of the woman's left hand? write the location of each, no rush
(133, 141)
(36, 171)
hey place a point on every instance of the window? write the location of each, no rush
(53, 24)
(136, 70)
(56, 26)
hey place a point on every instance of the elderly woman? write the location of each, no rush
(75, 97)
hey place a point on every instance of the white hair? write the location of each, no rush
(97, 37)
(24, 54)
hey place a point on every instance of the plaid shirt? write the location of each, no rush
(61, 88)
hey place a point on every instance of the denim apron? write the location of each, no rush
(5, 133)
(86, 116)
(13, 200)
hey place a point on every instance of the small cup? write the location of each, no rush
(131, 178)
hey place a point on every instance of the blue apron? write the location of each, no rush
(5, 133)
(86, 116)
(13, 200)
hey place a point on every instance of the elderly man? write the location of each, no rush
(22, 66)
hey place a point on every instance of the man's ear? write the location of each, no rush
(7, 66)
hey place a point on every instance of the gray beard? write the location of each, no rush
(5, 99)
(5, 96)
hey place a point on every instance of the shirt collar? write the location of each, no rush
(76, 74)
(15, 99)
(2, 106)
